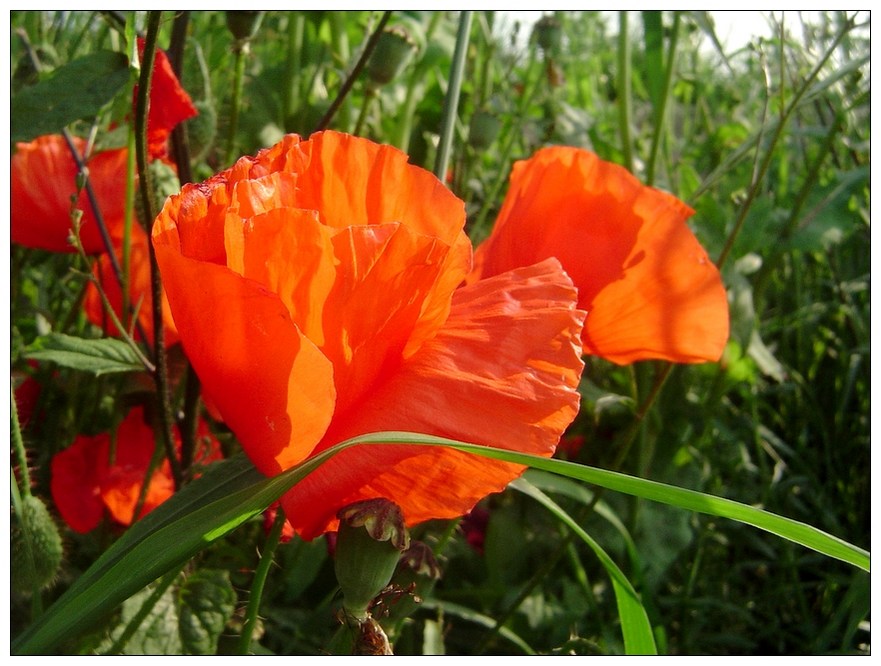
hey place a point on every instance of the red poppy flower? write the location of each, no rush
(140, 292)
(169, 104)
(43, 181)
(314, 287)
(648, 286)
(85, 482)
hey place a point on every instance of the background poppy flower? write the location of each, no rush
(43, 181)
(314, 287)
(169, 104)
(140, 292)
(85, 482)
(649, 287)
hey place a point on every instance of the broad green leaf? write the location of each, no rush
(101, 356)
(148, 624)
(75, 91)
(206, 601)
(635, 625)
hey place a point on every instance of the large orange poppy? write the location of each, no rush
(86, 482)
(648, 286)
(314, 288)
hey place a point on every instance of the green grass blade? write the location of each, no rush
(789, 529)
(472, 615)
(227, 495)
(635, 625)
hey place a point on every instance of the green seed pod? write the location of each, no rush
(369, 544)
(549, 34)
(484, 129)
(202, 129)
(35, 547)
(244, 24)
(392, 53)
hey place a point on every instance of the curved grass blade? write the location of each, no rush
(472, 615)
(635, 625)
(789, 529)
(228, 494)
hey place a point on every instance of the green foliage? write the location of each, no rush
(75, 91)
(645, 540)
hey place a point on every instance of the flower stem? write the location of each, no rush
(141, 111)
(661, 111)
(451, 101)
(260, 581)
(18, 444)
(241, 51)
(625, 104)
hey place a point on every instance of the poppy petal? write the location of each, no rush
(43, 181)
(272, 385)
(75, 485)
(503, 371)
(648, 285)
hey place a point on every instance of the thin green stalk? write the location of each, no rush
(241, 51)
(353, 75)
(625, 103)
(661, 114)
(161, 375)
(18, 445)
(260, 581)
(369, 95)
(291, 91)
(451, 101)
(759, 177)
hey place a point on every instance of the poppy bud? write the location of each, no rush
(369, 543)
(549, 34)
(392, 53)
(35, 547)
(243, 24)
(484, 129)
(202, 129)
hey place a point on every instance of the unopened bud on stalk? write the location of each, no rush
(370, 540)
(484, 129)
(35, 547)
(243, 24)
(392, 53)
(549, 34)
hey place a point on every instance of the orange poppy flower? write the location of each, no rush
(648, 286)
(43, 181)
(169, 104)
(140, 293)
(85, 482)
(314, 288)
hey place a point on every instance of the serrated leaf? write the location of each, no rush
(101, 356)
(206, 601)
(151, 623)
(77, 90)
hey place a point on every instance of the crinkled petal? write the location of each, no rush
(648, 285)
(359, 293)
(350, 180)
(503, 371)
(272, 385)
